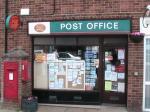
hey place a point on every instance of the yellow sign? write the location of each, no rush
(40, 57)
(108, 85)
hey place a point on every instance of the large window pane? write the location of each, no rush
(146, 92)
(114, 75)
(66, 67)
(44, 41)
(115, 40)
(65, 41)
(147, 77)
(88, 40)
(147, 96)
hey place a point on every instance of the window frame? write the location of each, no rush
(145, 83)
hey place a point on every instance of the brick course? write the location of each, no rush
(42, 10)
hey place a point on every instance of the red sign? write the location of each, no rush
(120, 68)
(13, 22)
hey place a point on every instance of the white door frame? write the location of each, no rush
(144, 77)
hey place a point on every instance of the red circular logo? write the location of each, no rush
(14, 22)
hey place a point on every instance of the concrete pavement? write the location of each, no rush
(75, 108)
(82, 108)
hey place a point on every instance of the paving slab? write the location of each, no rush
(51, 109)
(74, 108)
(81, 108)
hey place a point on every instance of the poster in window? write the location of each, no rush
(114, 76)
(114, 86)
(108, 75)
(51, 78)
(40, 57)
(122, 62)
(51, 56)
(69, 77)
(121, 54)
(77, 80)
(52, 85)
(121, 75)
(60, 83)
(113, 68)
(121, 87)
(108, 85)
(57, 74)
(120, 68)
(108, 67)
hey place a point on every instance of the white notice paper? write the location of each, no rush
(70, 78)
(61, 83)
(108, 67)
(121, 53)
(51, 56)
(121, 87)
(114, 76)
(11, 76)
(108, 75)
(51, 85)
(113, 68)
(121, 75)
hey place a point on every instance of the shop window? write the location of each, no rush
(117, 40)
(66, 41)
(44, 41)
(88, 41)
(115, 71)
(66, 67)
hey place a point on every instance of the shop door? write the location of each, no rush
(11, 81)
(114, 83)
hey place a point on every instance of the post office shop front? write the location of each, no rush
(81, 62)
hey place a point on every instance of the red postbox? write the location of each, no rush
(25, 70)
(11, 80)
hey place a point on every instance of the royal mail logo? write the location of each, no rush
(40, 27)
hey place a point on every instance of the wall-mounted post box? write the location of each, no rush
(11, 80)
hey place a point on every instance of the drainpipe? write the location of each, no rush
(6, 31)
(54, 7)
(5, 39)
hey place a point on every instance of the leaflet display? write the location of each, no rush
(57, 74)
(69, 74)
(75, 74)
(115, 70)
(91, 66)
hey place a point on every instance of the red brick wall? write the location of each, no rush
(42, 10)
(1, 27)
(135, 83)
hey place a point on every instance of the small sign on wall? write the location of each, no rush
(13, 22)
(82, 27)
(39, 28)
